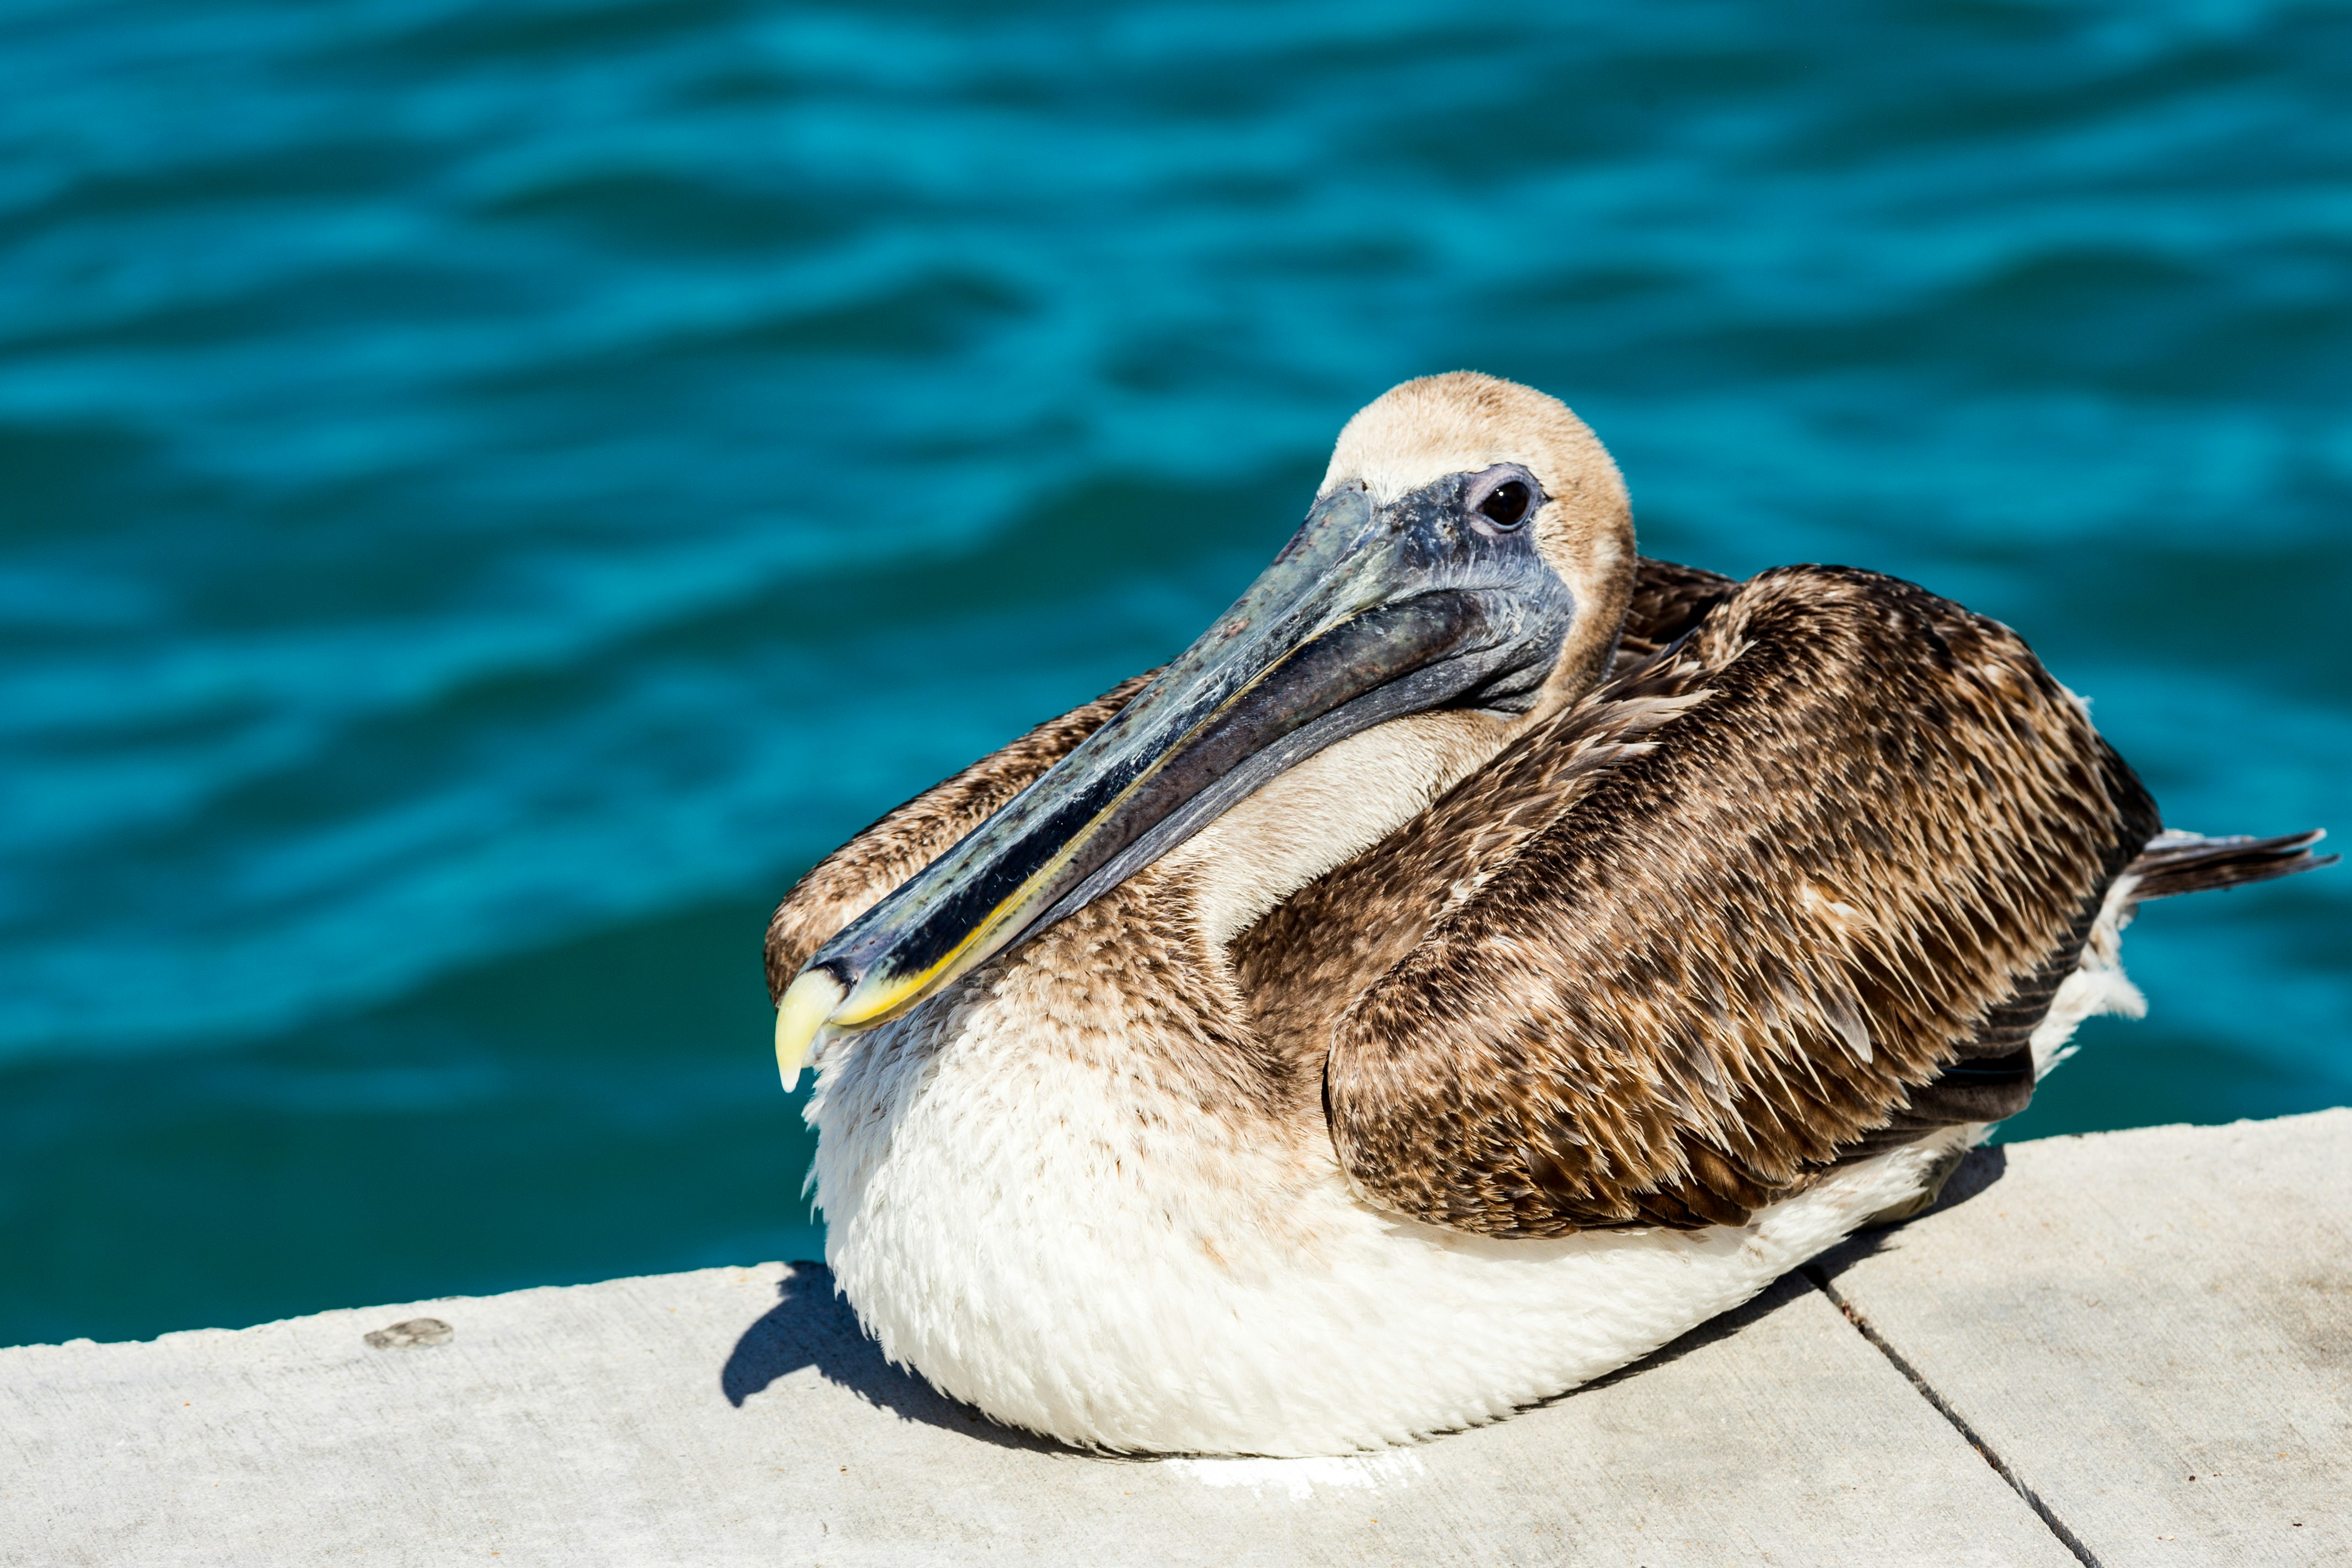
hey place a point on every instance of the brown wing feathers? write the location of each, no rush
(1727, 950)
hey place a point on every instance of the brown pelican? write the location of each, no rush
(1481, 956)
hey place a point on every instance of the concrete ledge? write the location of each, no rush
(2031, 1374)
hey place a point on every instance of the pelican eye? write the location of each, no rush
(1506, 505)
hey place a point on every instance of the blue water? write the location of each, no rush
(488, 494)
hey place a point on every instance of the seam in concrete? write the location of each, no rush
(2041, 1510)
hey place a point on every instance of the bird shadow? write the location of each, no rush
(811, 1326)
(1979, 1170)
(1771, 1299)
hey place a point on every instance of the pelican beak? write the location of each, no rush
(808, 1001)
(1370, 613)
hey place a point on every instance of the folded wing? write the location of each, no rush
(1767, 901)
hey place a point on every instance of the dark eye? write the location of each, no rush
(1507, 506)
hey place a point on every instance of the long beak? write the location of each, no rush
(1368, 614)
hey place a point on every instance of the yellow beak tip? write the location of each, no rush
(808, 1004)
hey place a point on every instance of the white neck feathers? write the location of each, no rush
(1325, 812)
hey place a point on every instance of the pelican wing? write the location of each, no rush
(1795, 887)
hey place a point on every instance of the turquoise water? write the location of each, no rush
(488, 494)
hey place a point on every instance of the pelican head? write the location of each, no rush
(1470, 550)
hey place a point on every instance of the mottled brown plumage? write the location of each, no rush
(1672, 954)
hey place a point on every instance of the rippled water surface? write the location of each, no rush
(488, 494)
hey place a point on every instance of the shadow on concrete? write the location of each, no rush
(1981, 1169)
(810, 1326)
(1775, 1295)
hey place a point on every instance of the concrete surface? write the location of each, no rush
(2151, 1331)
(2028, 1374)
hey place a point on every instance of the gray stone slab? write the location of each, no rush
(736, 1415)
(2113, 1316)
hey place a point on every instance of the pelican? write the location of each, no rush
(1481, 957)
